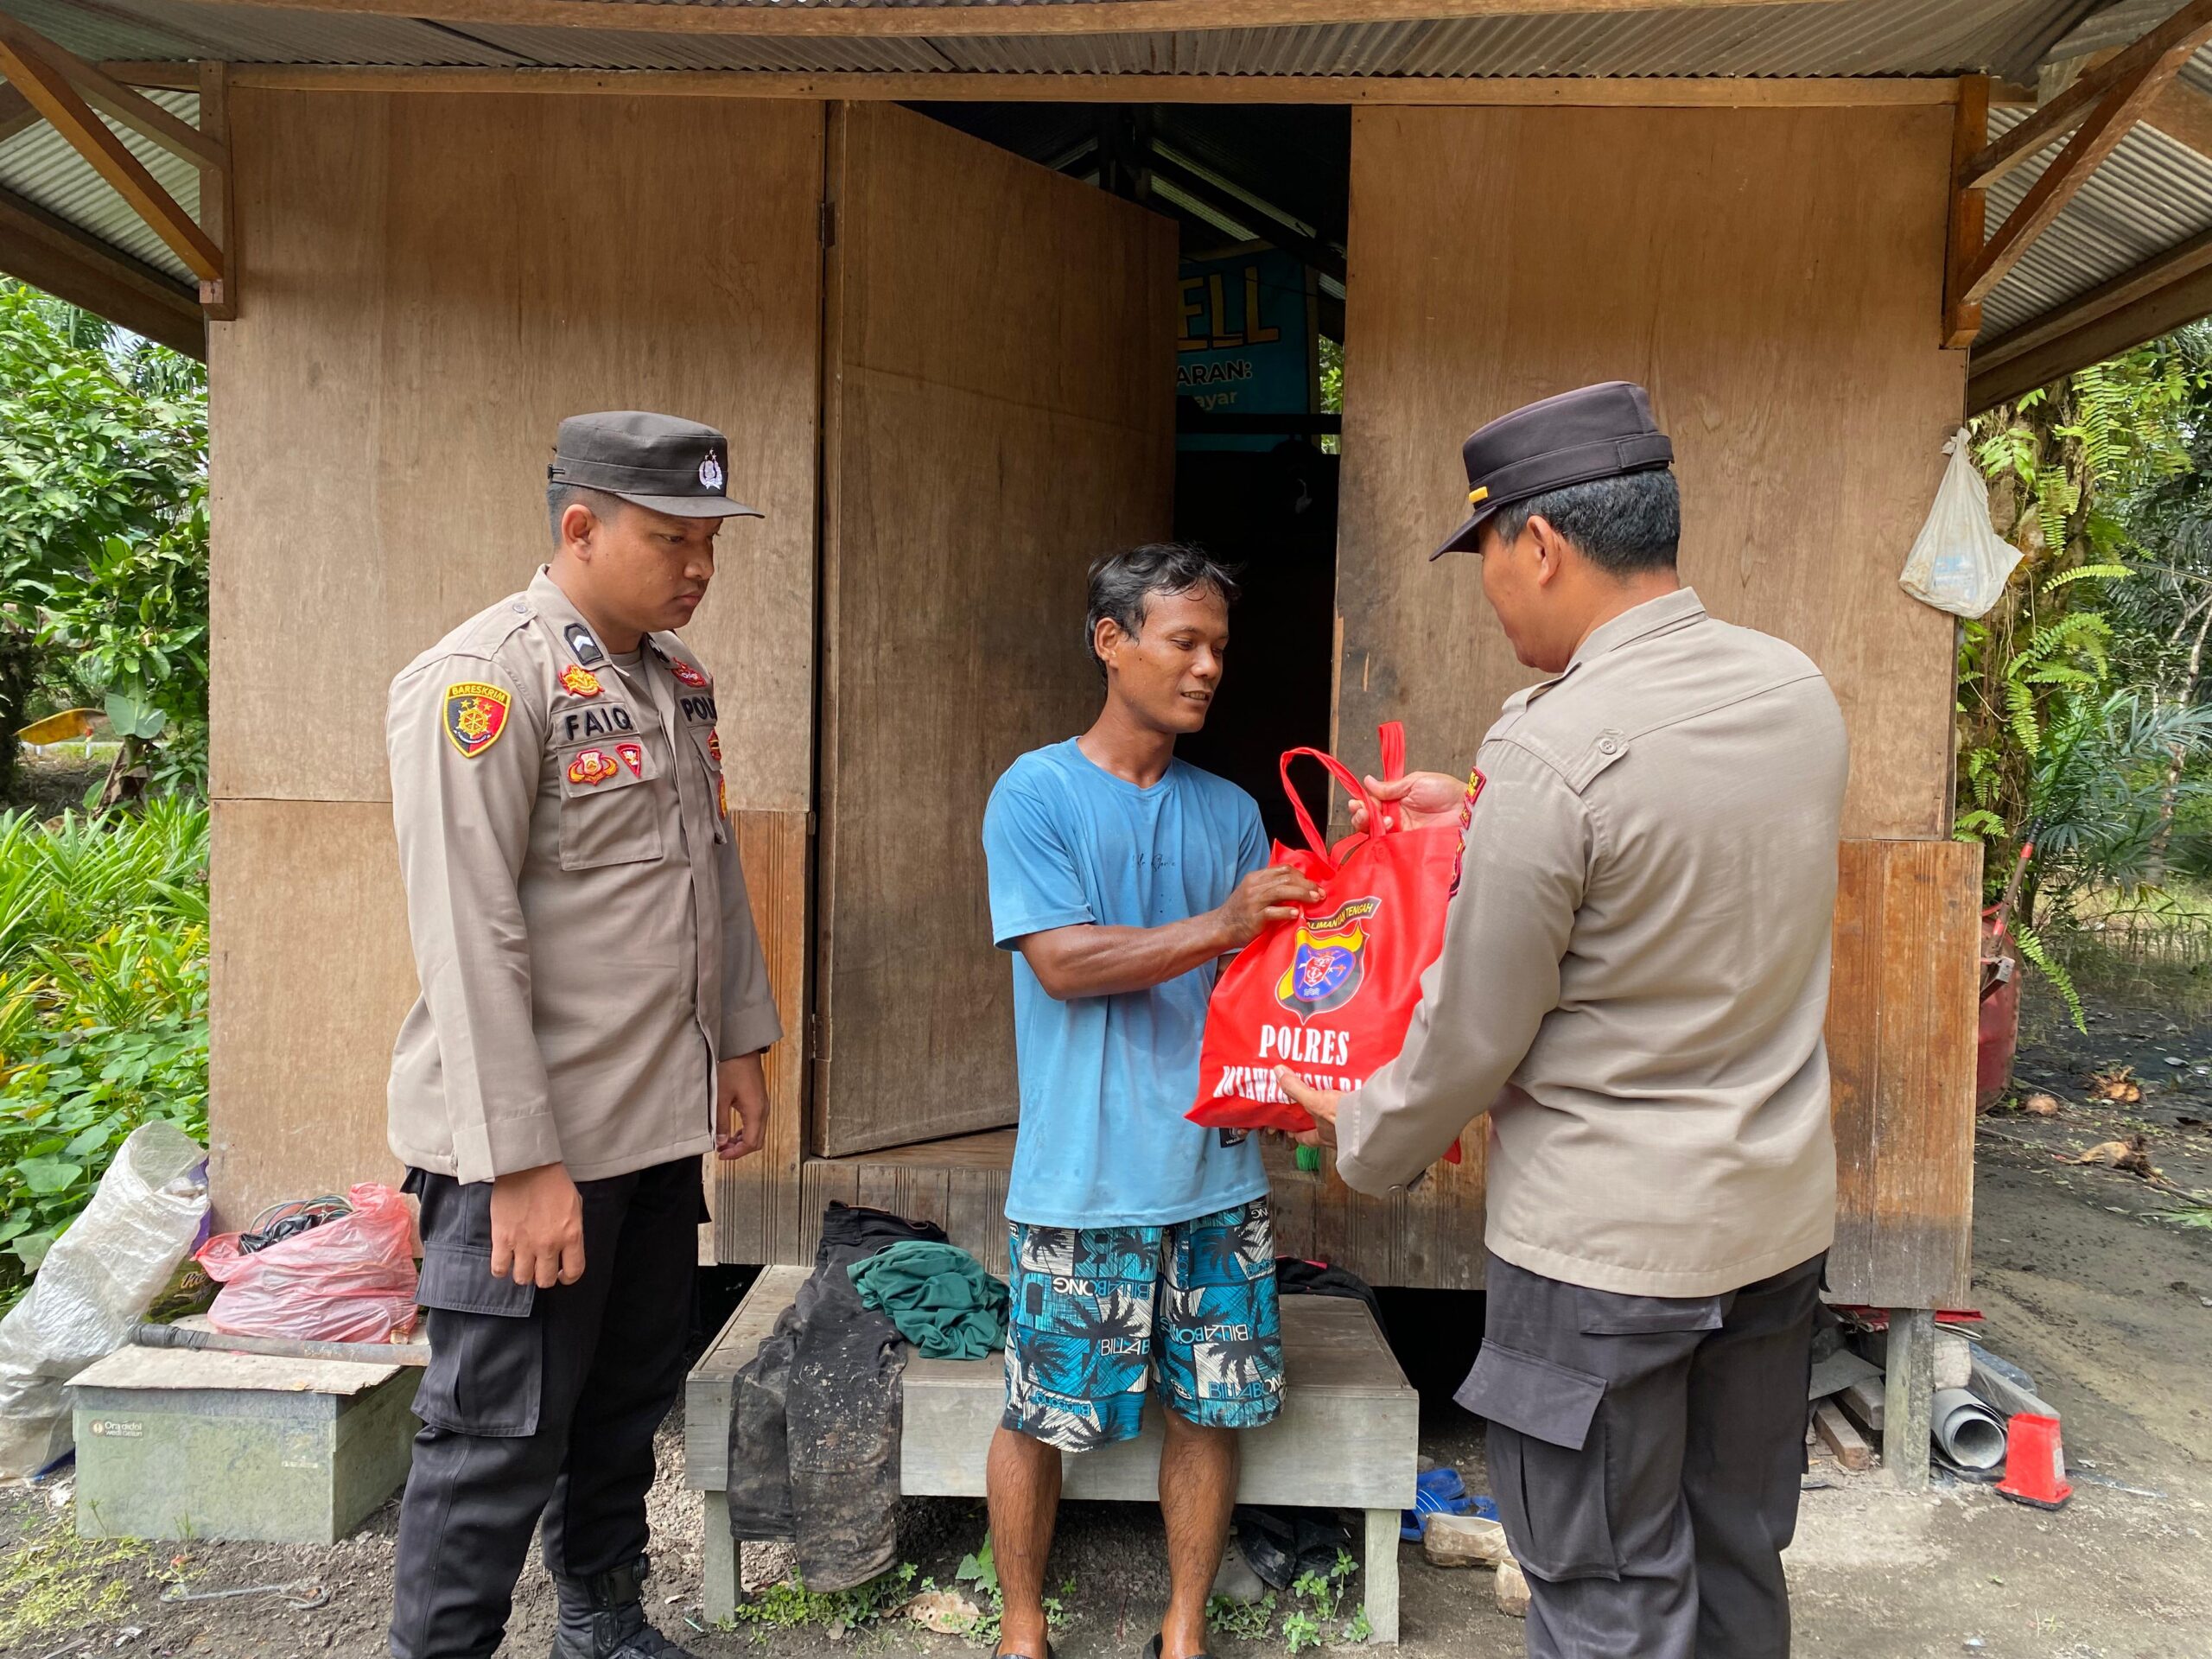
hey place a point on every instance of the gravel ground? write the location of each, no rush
(2083, 1272)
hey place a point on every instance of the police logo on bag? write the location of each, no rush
(1331, 960)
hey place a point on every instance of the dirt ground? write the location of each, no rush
(2085, 1274)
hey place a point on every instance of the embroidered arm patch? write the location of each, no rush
(476, 715)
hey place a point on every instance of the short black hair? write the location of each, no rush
(1627, 522)
(1123, 584)
(561, 495)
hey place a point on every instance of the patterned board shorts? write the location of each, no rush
(1097, 1309)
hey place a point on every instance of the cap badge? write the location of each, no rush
(1477, 497)
(711, 472)
(591, 767)
(579, 681)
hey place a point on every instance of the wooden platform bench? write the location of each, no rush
(1347, 1437)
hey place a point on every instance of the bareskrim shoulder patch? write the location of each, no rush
(476, 715)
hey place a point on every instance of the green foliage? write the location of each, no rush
(53, 1582)
(103, 528)
(1247, 1621)
(790, 1605)
(1332, 391)
(2071, 742)
(103, 1006)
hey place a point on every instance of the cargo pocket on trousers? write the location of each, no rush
(1549, 1473)
(487, 1354)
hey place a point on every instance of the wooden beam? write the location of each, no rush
(2094, 139)
(50, 253)
(15, 113)
(2158, 295)
(2185, 115)
(1265, 226)
(219, 298)
(2169, 45)
(49, 90)
(1970, 132)
(111, 98)
(1089, 17)
(1589, 92)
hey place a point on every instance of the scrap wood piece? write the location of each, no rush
(1462, 1541)
(1840, 1438)
(1862, 1402)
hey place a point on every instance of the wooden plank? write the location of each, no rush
(1908, 1397)
(1969, 132)
(17, 113)
(51, 94)
(1796, 512)
(2164, 48)
(49, 253)
(1901, 1055)
(411, 345)
(1379, 1582)
(1840, 1438)
(111, 98)
(1000, 411)
(220, 299)
(2184, 114)
(133, 1368)
(755, 1200)
(300, 1033)
(1714, 92)
(2171, 288)
(1095, 17)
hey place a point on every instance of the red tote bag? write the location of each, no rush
(1330, 994)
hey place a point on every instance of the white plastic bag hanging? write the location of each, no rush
(1958, 563)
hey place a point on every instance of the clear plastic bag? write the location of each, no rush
(350, 1279)
(95, 1285)
(1958, 563)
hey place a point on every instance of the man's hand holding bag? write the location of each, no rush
(1329, 993)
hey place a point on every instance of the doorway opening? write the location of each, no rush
(1260, 195)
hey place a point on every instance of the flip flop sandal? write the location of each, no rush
(1159, 1642)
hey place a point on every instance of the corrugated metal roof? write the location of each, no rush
(39, 165)
(598, 49)
(2151, 194)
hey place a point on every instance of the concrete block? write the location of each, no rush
(185, 1444)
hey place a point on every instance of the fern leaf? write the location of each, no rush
(2031, 947)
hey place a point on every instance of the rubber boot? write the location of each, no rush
(604, 1619)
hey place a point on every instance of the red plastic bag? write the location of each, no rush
(1330, 994)
(350, 1279)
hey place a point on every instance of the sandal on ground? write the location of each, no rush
(1158, 1642)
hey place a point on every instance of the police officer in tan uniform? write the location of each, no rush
(1632, 987)
(594, 1010)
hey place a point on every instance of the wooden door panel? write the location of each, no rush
(999, 411)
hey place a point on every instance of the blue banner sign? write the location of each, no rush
(1245, 342)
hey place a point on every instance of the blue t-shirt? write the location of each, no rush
(1105, 1080)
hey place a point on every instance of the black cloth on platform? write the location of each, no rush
(814, 1415)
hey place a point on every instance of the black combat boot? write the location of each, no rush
(604, 1619)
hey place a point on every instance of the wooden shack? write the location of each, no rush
(411, 235)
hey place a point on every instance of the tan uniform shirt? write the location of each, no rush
(580, 928)
(1634, 971)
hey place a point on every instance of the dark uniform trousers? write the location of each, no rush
(1645, 1452)
(539, 1401)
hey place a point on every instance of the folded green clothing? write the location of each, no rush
(938, 1296)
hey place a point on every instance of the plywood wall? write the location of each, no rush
(1774, 276)
(428, 283)
(1001, 411)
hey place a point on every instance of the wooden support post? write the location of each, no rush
(1381, 1567)
(1909, 1395)
(42, 81)
(219, 298)
(718, 1560)
(1970, 132)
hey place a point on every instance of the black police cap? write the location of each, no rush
(678, 467)
(1590, 433)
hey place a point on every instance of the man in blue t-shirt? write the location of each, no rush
(1120, 877)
